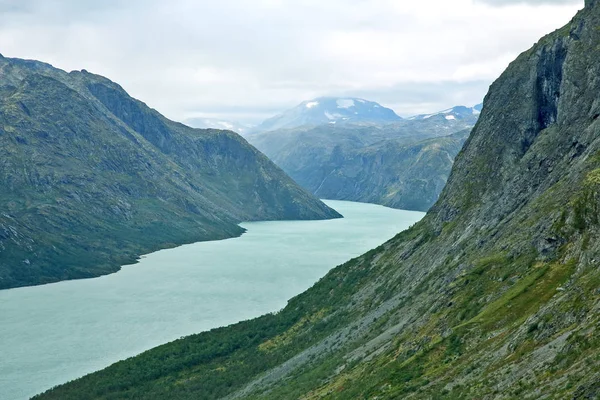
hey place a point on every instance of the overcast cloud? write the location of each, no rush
(246, 60)
(531, 2)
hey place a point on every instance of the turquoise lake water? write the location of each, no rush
(55, 333)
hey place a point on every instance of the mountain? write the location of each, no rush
(493, 295)
(330, 110)
(213, 123)
(393, 173)
(458, 112)
(403, 165)
(92, 178)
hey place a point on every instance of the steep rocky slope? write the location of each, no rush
(494, 295)
(403, 165)
(91, 178)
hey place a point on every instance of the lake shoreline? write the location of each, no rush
(57, 332)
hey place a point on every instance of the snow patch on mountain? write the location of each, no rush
(454, 113)
(345, 103)
(325, 110)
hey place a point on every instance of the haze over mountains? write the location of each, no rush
(330, 110)
(215, 123)
(458, 112)
(93, 178)
(402, 164)
(494, 294)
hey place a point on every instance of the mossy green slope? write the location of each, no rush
(495, 294)
(92, 178)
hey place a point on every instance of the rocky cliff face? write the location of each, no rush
(494, 295)
(92, 178)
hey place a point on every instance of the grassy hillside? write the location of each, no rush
(92, 178)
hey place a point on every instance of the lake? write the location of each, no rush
(54, 333)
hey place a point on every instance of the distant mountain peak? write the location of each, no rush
(330, 110)
(454, 113)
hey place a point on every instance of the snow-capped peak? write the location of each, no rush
(454, 113)
(325, 110)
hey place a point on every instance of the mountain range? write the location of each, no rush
(329, 110)
(493, 295)
(92, 178)
(458, 112)
(403, 164)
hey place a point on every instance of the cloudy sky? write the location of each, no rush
(246, 60)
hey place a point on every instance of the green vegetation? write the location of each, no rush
(494, 294)
(92, 178)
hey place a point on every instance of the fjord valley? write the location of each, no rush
(92, 178)
(353, 149)
(494, 294)
(51, 334)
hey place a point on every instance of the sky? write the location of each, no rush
(246, 60)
